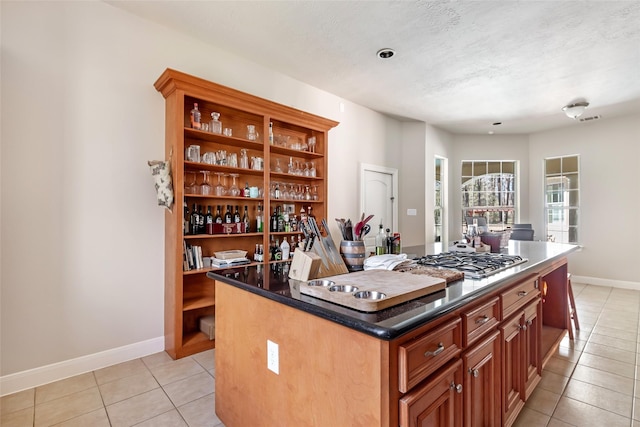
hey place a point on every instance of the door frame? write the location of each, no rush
(364, 167)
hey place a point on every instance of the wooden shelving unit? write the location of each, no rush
(189, 295)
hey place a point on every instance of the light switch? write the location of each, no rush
(273, 362)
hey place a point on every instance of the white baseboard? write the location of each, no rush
(57, 371)
(622, 284)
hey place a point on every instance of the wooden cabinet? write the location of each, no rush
(521, 359)
(437, 402)
(481, 385)
(287, 159)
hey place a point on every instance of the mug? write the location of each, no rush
(193, 153)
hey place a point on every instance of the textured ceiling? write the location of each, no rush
(458, 65)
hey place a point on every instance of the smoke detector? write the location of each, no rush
(575, 110)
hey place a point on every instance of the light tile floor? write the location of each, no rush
(592, 381)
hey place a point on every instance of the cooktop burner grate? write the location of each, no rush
(474, 265)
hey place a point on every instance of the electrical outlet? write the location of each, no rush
(273, 358)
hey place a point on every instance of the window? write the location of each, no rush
(438, 211)
(489, 190)
(562, 198)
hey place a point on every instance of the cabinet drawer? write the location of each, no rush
(420, 357)
(479, 320)
(516, 297)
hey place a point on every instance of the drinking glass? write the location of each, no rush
(190, 186)
(219, 188)
(312, 144)
(314, 193)
(205, 187)
(234, 190)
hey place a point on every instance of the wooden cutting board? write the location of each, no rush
(398, 288)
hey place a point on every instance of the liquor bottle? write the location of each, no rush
(245, 220)
(389, 242)
(381, 242)
(218, 218)
(273, 224)
(294, 223)
(259, 220)
(236, 215)
(215, 125)
(261, 249)
(247, 191)
(277, 191)
(201, 229)
(194, 220)
(285, 218)
(270, 133)
(280, 226)
(185, 219)
(208, 220)
(272, 245)
(292, 247)
(228, 217)
(285, 249)
(256, 253)
(303, 215)
(277, 252)
(195, 116)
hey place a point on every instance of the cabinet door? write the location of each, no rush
(532, 337)
(436, 402)
(481, 383)
(512, 369)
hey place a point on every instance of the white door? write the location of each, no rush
(378, 189)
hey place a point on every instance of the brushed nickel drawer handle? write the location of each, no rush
(474, 372)
(523, 327)
(435, 352)
(482, 320)
(457, 388)
(529, 322)
(522, 293)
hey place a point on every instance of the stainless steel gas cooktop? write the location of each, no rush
(474, 265)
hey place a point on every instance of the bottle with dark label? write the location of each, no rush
(277, 191)
(228, 217)
(208, 220)
(218, 218)
(247, 191)
(200, 220)
(280, 226)
(277, 251)
(245, 220)
(194, 220)
(236, 215)
(273, 224)
(195, 116)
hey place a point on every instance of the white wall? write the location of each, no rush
(82, 237)
(609, 152)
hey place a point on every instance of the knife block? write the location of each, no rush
(304, 265)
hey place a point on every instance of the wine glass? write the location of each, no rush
(312, 144)
(234, 190)
(220, 188)
(314, 193)
(205, 187)
(190, 186)
(307, 194)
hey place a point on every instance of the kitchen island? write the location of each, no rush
(473, 351)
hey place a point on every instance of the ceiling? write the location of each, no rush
(459, 65)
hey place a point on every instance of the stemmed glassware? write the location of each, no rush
(190, 185)
(314, 193)
(220, 188)
(205, 187)
(234, 190)
(312, 144)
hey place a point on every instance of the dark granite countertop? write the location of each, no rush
(272, 282)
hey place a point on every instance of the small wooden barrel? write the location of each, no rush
(353, 254)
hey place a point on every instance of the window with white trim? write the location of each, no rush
(489, 190)
(562, 198)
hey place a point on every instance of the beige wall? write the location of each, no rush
(82, 237)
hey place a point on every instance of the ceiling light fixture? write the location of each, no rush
(575, 110)
(386, 53)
